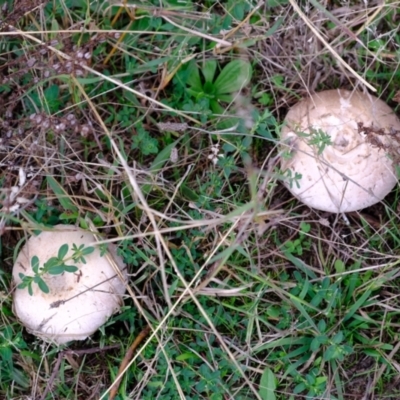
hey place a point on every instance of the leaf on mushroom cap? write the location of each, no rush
(76, 304)
(342, 146)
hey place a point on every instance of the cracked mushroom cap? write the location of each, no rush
(77, 303)
(357, 168)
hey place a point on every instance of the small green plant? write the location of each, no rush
(11, 342)
(297, 246)
(144, 142)
(216, 88)
(53, 266)
(292, 179)
(313, 382)
(317, 138)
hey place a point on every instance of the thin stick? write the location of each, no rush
(121, 38)
(115, 46)
(241, 23)
(126, 360)
(372, 17)
(221, 42)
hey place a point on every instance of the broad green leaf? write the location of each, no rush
(373, 353)
(52, 96)
(302, 350)
(51, 262)
(7, 333)
(234, 76)
(339, 266)
(267, 385)
(19, 377)
(61, 194)
(23, 284)
(68, 216)
(162, 157)
(70, 268)
(315, 344)
(188, 193)
(299, 388)
(331, 353)
(186, 356)
(209, 69)
(227, 98)
(6, 355)
(193, 77)
(322, 326)
(43, 286)
(87, 250)
(287, 341)
(216, 108)
(35, 264)
(62, 251)
(56, 269)
(338, 338)
(195, 93)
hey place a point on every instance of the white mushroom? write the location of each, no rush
(339, 150)
(77, 303)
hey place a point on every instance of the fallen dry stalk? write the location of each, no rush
(125, 361)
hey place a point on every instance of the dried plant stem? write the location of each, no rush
(126, 360)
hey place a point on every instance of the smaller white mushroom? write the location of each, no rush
(339, 150)
(78, 303)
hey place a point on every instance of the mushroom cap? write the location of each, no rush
(86, 298)
(353, 172)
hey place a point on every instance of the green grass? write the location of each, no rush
(168, 146)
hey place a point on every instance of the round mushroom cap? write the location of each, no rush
(339, 150)
(78, 303)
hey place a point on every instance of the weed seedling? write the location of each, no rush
(53, 266)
